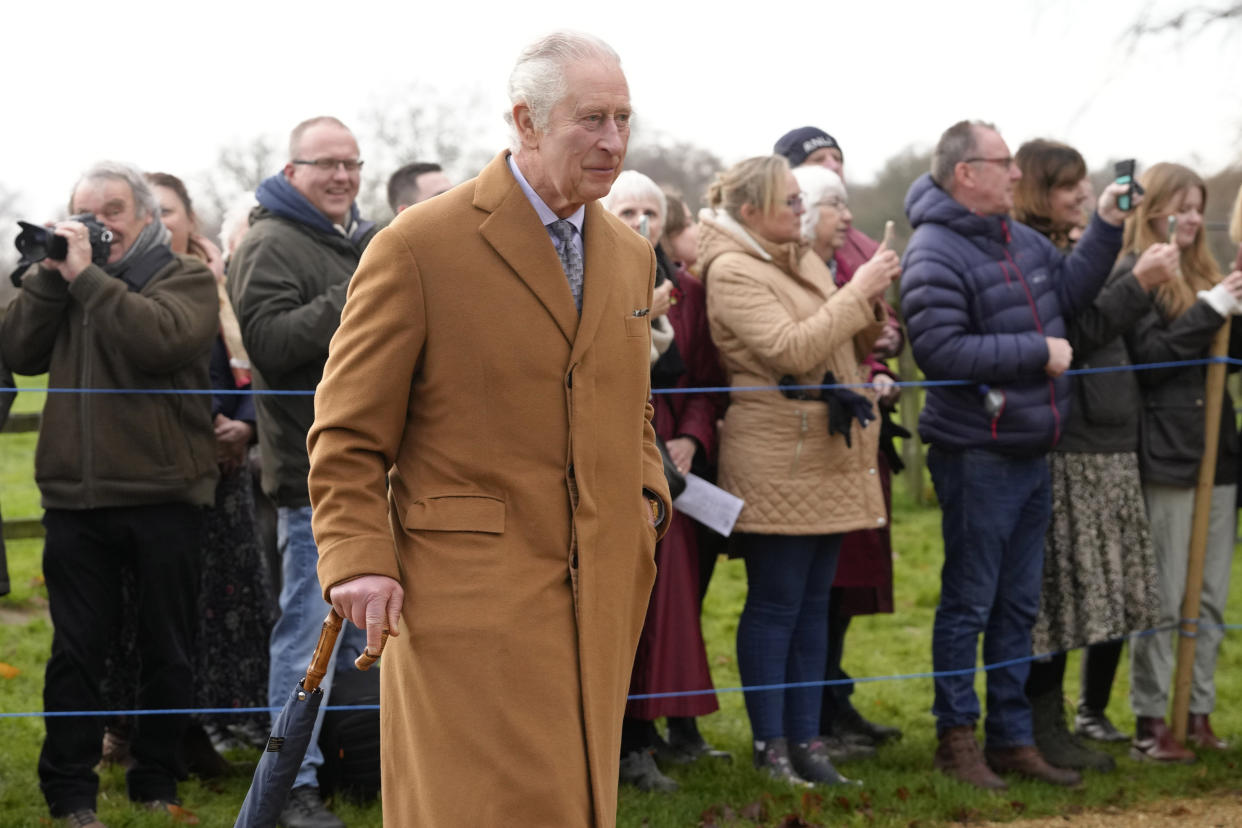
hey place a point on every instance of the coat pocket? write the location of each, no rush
(637, 325)
(457, 513)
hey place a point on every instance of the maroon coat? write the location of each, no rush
(671, 656)
(864, 580)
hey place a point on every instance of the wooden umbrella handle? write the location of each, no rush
(323, 651)
(370, 656)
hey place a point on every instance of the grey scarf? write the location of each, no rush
(153, 235)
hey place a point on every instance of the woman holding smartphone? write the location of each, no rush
(778, 319)
(1099, 581)
(1186, 314)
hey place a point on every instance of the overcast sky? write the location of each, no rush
(156, 85)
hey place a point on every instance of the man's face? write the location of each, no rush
(829, 157)
(988, 179)
(112, 202)
(331, 192)
(431, 184)
(580, 153)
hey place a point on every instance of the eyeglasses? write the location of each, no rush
(329, 165)
(1005, 162)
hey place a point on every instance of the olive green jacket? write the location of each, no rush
(119, 449)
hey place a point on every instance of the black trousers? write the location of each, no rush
(83, 555)
(836, 697)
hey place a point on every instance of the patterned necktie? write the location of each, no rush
(571, 259)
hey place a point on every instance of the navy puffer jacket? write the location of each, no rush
(979, 294)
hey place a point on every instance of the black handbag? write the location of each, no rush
(676, 480)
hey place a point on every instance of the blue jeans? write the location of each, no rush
(995, 510)
(302, 610)
(782, 636)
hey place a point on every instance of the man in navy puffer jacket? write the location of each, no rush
(985, 299)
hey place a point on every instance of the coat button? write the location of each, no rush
(880, 521)
(569, 380)
(573, 561)
(570, 470)
(870, 471)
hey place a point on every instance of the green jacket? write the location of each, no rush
(99, 450)
(288, 284)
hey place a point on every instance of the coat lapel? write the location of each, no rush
(513, 230)
(599, 270)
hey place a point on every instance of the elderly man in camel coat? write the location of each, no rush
(511, 552)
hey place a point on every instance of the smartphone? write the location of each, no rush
(1123, 173)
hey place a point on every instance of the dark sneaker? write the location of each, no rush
(810, 761)
(84, 818)
(179, 813)
(772, 757)
(849, 722)
(685, 744)
(1094, 725)
(305, 809)
(638, 768)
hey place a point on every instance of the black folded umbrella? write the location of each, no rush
(291, 732)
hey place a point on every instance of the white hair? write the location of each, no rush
(631, 185)
(538, 76)
(145, 202)
(818, 184)
(236, 218)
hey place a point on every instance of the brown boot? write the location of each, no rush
(1025, 760)
(1200, 734)
(1154, 742)
(959, 757)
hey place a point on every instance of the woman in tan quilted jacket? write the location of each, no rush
(805, 465)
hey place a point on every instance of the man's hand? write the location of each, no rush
(681, 452)
(371, 603)
(79, 256)
(886, 343)
(215, 260)
(1107, 208)
(1157, 265)
(1060, 355)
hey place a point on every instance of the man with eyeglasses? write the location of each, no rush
(288, 279)
(985, 300)
(493, 366)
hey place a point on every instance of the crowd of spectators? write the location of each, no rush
(179, 527)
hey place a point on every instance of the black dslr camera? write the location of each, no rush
(37, 243)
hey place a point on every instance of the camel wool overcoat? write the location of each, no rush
(516, 440)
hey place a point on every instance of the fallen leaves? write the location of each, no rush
(8, 671)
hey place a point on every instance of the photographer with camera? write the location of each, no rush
(123, 476)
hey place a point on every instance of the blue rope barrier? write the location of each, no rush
(635, 697)
(722, 389)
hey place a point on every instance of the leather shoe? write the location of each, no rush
(958, 756)
(1095, 725)
(1154, 742)
(1199, 733)
(849, 722)
(305, 809)
(1024, 760)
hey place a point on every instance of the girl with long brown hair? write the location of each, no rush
(1187, 312)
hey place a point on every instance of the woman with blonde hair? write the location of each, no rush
(803, 460)
(1186, 314)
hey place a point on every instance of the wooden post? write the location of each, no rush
(1189, 625)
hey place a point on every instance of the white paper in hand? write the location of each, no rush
(710, 505)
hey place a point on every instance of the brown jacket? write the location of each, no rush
(519, 441)
(774, 310)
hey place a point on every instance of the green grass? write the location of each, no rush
(900, 787)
